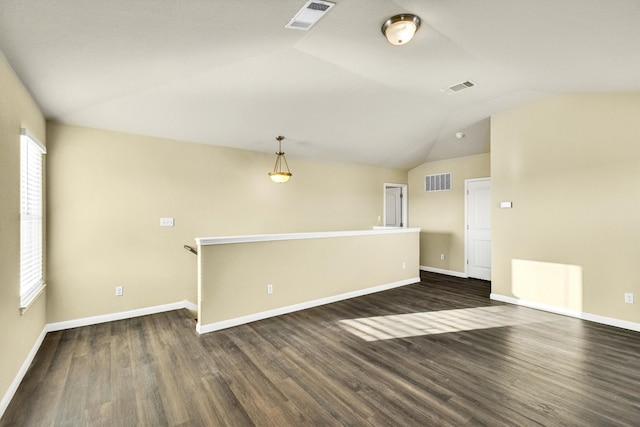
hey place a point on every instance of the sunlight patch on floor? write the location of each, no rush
(439, 322)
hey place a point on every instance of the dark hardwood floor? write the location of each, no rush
(437, 353)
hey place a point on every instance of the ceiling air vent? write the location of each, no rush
(459, 87)
(310, 13)
(440, 182)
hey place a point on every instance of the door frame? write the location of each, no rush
(403, 188)
(466, 222)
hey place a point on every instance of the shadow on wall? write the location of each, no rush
(434, 247)
(558, 285)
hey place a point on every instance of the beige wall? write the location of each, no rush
(18, 333)
(571, 167)
(108, 191)
(440, 214)
(234, 277)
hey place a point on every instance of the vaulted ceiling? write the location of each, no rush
(229, 73)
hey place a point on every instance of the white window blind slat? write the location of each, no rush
(31, 221)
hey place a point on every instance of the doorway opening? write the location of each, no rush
(395, 205)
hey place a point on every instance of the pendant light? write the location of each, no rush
(400, 29)
(278, 175)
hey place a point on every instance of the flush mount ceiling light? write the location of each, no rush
(278, 175)
(400, 29)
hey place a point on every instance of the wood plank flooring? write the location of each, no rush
(436, 353)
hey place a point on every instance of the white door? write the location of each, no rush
(478, 236)
(393, 207)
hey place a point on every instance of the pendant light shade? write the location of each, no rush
(400, 29)
(279, 175)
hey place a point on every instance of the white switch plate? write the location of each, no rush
(166, 222)
(505, 205)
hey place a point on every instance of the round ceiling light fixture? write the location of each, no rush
(279, 175)
(400, 29)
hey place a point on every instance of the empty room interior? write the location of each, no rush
(294, 213)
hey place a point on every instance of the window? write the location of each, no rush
(31, 221)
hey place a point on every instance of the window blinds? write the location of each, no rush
(31, 221)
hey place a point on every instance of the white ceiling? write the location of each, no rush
(229, 73)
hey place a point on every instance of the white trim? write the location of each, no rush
(610, 321)
(86, 321)
(11, 391)
(441, 271)
(33, 299)
(25, 132)
(223, 240)
(190, 306)
(216, 326)
(94, 320)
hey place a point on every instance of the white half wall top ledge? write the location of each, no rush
(274, 274)
(224, 240)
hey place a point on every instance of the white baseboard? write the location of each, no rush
(441, 271)
(6, 399)
(216, 326)
(94, 320)
(193, 307)
(86, 321)
(610, 321)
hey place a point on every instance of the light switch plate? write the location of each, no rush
(166, 222)
(505, 205)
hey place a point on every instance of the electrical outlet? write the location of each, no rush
(404, 265)
(119, 291)
(269, 289)
(441, 257)
(628, 298)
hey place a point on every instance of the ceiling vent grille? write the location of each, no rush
(310, 13)
(440, 182)
(458, 87)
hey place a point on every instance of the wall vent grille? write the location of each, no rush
(314, 5)
(458, 87)
(310, 13)
(439, 182)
